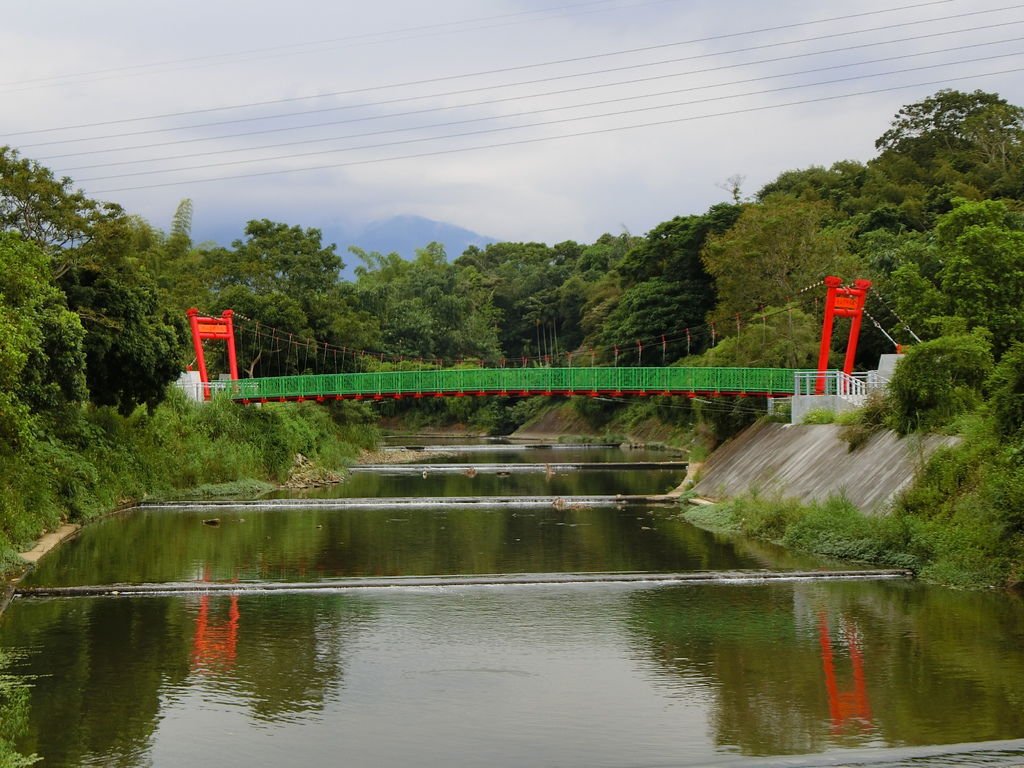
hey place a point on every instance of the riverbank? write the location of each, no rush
(96, 460)
(636, 425)
(50, 541)
(812, 463)
(947, 515)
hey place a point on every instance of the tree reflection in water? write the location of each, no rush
(805, 667)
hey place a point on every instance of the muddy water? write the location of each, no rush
(795, 673)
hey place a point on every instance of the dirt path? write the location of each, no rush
(49, 541)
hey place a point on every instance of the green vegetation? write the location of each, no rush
(819, 416)
(834, 528)
(103, 460)
(962, 520)
(92, 304)
(14, 706)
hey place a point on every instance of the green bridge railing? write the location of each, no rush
(520, 381)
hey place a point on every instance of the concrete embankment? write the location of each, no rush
(811, 463)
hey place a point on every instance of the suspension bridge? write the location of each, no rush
(518, 382)
(544, 380)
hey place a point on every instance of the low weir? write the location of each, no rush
(439, 582)
(499, 447)
(513, 468)
(419, 502)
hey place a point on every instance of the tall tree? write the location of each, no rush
(971, 273)
(285, 277)
(133, 348)
(940, 124)
(47, 210)
(775, 249)
(134, 345)
(42, 360)
(949, 145)
(665, 286)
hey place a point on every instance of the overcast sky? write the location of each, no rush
(518, 119)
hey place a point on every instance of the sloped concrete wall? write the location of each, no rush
(810, 463)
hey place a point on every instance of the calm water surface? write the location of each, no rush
(795, 673)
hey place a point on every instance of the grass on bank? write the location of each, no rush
(960, 523)
(94, 460)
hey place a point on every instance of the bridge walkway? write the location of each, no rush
(519, 382)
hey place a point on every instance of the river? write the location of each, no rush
(374, 670)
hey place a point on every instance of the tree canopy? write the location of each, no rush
(934, 220)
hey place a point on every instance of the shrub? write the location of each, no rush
(819, 416)
(860, 425)
(938, 380)
(1006, 388)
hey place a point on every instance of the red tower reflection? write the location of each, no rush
(845, 706)
(215, 643)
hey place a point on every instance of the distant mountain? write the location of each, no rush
(403, 235)
(399, 234)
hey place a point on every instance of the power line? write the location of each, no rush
(537, 140)
(55, 80)
(537, 65)
(542, 124)
(538, 111)
(496, 87)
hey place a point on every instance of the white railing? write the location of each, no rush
(196, 390)
(853, 388)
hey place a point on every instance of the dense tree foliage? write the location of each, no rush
(1007, 393)
(92, 300)
(940, 379)
(774, 251)
(965, 274)
(41, 355)
(933, 220)
(133, 346)
(665, 286)
(427, 308)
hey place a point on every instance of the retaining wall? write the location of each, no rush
(810, 463)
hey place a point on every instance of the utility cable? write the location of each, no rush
(509, 85)
(555, 62)
(542, 124)
(579, 134)
(352, 40)
(542, 111)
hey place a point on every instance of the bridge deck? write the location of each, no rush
(519, 382)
